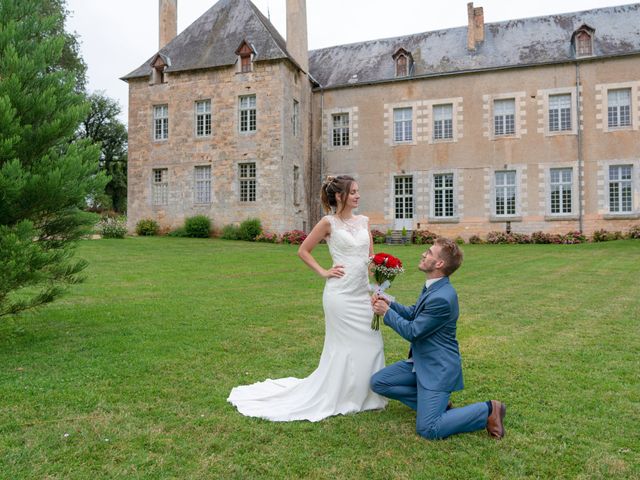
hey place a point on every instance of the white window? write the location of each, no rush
(443, 205)
(202, 184)
(160, 122)
(340, 133)
(561, 186)
(560, 113)
(203, 118)
(247, 182)
(248, 113)
(403, 197)
(619, 111)
(402, 124)
(160, 187)
(504, 117)
(295, 119)
(442, 122)
(505, 193)
(620, 189)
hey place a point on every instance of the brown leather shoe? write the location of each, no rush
(495, 425)
(449, 405)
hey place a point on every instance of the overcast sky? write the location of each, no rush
(117, 36)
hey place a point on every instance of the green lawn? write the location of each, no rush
(127, 376)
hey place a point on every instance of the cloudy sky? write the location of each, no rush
(118, 35)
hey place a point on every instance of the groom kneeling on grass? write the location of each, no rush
(425, 381)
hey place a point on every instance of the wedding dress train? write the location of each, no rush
(352, 352)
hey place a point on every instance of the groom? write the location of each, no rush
(425, 381)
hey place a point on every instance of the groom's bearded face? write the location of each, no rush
(428, 262)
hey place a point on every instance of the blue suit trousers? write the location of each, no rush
(433, 420)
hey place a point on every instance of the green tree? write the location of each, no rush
(101, 126)
(45, 176)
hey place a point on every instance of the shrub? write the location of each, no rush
(634, 232)
(540, 237)
(249, 229)
(475, 240)
(574, 237)
(230, 232)
(268, 238)
(178, 232)
(198, 226)
(499, 237)
(378, 236)
(294, 237)
(113, 227)
(422, 237)
(603, 235)
(404, 231)
(147, 227)
(459, 240)
(521, 238)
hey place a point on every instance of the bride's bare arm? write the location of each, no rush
(320, 231)
(370, 244)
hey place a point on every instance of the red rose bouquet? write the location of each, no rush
(384, 268)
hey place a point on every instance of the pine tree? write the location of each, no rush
(46, 178)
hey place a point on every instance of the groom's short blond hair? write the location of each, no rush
(450, 254)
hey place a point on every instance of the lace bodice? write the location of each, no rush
(349, 246)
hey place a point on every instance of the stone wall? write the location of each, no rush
(475, 153)
(272, 146)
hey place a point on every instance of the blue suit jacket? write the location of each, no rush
(430, 326)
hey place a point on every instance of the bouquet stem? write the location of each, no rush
(375, 322)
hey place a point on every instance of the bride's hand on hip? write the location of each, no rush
(337, 271)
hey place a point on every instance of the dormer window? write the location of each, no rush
(245, 53)
(583, 41)
(404, 63)
(401, 66)
(158, 65)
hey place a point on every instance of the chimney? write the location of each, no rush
(168, 21)
(475, 30)
(297, 44)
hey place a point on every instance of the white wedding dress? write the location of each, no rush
(352, 352)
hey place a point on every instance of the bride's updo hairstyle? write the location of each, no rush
(335, 188)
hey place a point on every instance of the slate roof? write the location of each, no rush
(211, 41)
(513, 43)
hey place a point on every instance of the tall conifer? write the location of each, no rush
(46, 178)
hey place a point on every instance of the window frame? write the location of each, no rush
(618, 115)
(340, 131)
(159, 187)
(504, 187)
(407, 136)
(444, 128)
(557, 113)
(205, 116)
(505, 117)
(620, 182)
(247, 182)
(439, 192)
(161, 122)
(249, 111)
(202, 184)
(563, 187)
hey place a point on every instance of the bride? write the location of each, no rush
(352, 351)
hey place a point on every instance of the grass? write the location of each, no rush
(127, 376)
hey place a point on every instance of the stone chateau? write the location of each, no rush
(529, 124)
